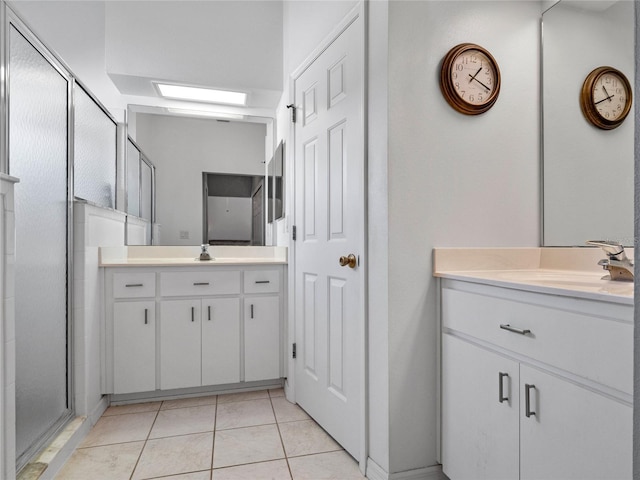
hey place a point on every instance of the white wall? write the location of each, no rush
(230, 218)
(453, 180)
(182, 149)
(636, 330)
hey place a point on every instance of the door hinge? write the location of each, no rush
(293, 232)
(293, 351)
(293, 112)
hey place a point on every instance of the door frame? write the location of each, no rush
(11, 19)
(358, 12)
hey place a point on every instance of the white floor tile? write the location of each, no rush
(325, 466)
(247, 445)
(175, 455)
(244, 414)
(274, 470)
(189, 402)
(131, 427)
(286, 411)
(132, 408)
(183, 421)
(305, 438)
(110, 462)
(243, 396)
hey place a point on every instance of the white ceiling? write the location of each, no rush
(224, 44)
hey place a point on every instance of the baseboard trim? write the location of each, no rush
(376, 472)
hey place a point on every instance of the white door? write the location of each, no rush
(180, 344)
(261, 338)
(220, 341)
(573, 433)
(480, 413)
(330, 221)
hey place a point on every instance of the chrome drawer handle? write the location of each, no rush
(501, 397)
(146, 316)
(521, 331)
(193, 314)
(527, 400)
(201, 283)
(263, 281)
(134, 285)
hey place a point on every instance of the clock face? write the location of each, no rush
(473, 77)
(609, 96)
(469, 79)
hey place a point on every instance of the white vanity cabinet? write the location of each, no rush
(183, 327)
(534, 385)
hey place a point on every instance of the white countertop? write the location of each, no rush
(178, 256)
(531, 269)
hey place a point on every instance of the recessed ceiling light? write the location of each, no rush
(198, 94)
(204, 113)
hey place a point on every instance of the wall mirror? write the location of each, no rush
(587, 172)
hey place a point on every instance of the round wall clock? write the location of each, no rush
(606, 97)
(470, 79)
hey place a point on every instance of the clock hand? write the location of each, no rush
(607, 93)
(604, 99)
(474, 78)
(476, 74)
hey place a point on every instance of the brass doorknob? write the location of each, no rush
(350, 260)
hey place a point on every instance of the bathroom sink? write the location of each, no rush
(563, 279)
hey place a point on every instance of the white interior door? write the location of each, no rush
(330, 221)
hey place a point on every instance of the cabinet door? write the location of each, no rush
(180, 357)
(574, 434)
(220, 341)
(134, 347)
(261, 338)
(479, 432)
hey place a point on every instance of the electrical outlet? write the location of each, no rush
(184, 234)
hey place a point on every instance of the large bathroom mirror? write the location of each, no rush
(587, 172)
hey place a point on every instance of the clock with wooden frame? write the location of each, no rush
(606, 98)
(470, 79)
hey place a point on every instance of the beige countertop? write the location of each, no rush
(558, 271)
(179, 256)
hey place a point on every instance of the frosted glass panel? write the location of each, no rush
(133, 179)
(146, 199)
(94, 168)
(38, 156)
(145, 186)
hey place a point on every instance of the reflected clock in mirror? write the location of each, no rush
(606, 97)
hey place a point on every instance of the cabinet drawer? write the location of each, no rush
(572, 334)
(262, 281)
(173, 284)
(134, 285)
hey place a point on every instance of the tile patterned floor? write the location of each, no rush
(253, 435)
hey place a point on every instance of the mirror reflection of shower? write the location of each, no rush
(233, 207)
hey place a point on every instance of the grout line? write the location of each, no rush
(213, 442)
(145, 442)
(284, 450)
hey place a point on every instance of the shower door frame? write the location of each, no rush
(11, 20)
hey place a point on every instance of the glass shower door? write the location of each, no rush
(38, 155)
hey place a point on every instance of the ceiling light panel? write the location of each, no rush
(197, 94)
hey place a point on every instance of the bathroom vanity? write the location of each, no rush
(174, 322)
(537, 365)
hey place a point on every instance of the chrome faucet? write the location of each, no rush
(617, 263)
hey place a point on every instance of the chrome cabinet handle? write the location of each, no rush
(501, 397)
(527, 400)
(201, 283)
(209, 311)
(128, 285)
(521, 331)
(146, 316)
(263, 281)
(193, 314)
